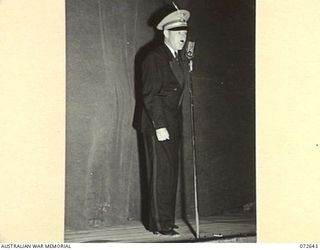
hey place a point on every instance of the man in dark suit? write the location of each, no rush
(164, 74)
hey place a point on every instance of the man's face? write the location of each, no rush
(175, 38)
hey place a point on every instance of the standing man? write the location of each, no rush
(164, 73)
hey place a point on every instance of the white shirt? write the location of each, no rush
(172, 50)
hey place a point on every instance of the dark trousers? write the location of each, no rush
(162, 160)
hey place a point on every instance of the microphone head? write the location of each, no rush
(190, 49)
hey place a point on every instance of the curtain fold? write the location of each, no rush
(102, 173)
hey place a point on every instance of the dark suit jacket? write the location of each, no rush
(163, 83)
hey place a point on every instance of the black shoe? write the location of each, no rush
(174, 226)
(170, 233)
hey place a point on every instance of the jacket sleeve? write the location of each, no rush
(152, 77)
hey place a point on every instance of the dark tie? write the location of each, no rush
(177, 67)
(176, 56)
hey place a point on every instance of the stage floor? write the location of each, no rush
(225, 228)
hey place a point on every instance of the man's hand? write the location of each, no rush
(162, 134)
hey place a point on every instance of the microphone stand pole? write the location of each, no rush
(190, 85)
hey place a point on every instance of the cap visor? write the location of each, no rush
(180, 28)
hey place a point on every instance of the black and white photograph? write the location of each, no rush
(160, 121)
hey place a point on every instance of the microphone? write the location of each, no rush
(190, 54)
(190, 49)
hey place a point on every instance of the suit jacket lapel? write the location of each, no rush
(177, 71)
(174, 65)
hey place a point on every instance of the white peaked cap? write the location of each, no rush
(175, 20)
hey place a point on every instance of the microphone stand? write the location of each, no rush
(190, 85)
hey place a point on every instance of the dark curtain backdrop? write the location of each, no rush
(106, 41)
